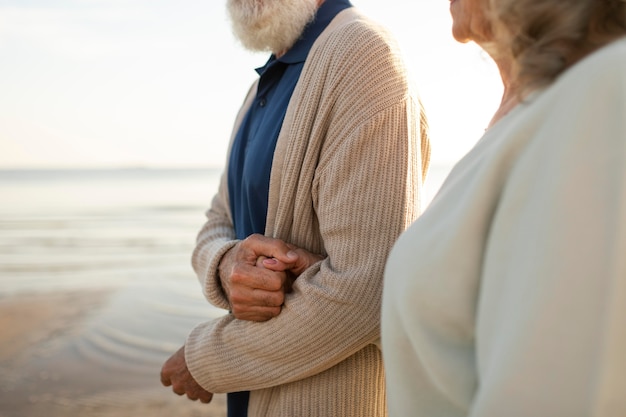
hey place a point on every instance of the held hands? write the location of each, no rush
(257, 273)
(175, 373)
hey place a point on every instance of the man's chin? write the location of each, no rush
(276, 26)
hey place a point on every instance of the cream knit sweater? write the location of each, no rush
(346, 179)
(507, 298)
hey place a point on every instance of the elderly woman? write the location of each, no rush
(508, 296)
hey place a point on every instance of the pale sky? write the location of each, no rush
(157, 83)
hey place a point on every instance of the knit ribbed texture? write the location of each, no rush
(345, 182)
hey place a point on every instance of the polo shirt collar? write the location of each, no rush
(325, 14)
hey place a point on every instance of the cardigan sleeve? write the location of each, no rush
(217, 235)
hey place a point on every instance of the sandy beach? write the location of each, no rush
(96, 290)
(43, 375)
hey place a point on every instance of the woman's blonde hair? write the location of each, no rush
(545, 37)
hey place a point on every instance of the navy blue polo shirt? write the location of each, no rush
(253, 148)
(252, 152)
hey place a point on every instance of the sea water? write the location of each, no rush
(80, 229)
(98, 228)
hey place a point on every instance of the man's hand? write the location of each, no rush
(257, 272)
(175, 373)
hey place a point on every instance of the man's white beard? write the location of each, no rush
(270, 25)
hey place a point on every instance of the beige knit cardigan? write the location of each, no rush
(346, 179)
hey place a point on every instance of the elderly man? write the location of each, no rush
(325, 170)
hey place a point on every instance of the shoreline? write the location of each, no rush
(44, 373)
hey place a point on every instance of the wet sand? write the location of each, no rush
(45, 372)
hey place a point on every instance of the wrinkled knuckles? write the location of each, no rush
(237, 298)
(253, 239)
(275, 299)
(238, 275)
(275, 282)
